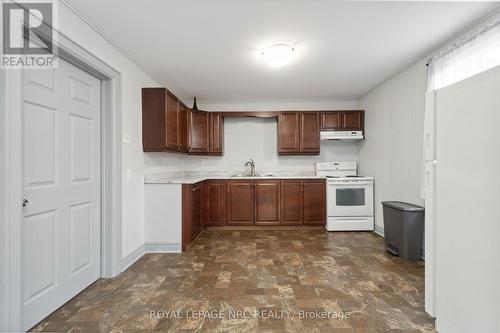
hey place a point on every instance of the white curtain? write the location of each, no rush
(476, 53)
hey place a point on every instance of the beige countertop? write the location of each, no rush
(191, 177)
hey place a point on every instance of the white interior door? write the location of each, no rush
(467, 239)
(61, 160)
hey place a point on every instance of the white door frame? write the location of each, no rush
(11, 216)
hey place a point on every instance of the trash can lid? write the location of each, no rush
(408, 207)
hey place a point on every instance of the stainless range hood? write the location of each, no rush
(341, 135)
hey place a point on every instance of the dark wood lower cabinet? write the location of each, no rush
(215, 202)
(267, 201)
(292, 201)
(315, 202)
(192, 212)
(240, 202)
(251, 202)
(276, 202)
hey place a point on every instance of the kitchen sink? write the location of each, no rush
(249, 176)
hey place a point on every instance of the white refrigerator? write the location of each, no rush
(462, 202)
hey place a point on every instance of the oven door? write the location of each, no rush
(353, 198)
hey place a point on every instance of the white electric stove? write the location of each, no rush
(349, 197)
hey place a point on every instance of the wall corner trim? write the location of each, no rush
(132, 258)
(379, 230)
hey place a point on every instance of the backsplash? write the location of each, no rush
(246, 138)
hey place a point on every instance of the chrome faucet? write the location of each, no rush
(251, 163)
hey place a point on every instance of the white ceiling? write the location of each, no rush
(210, 49)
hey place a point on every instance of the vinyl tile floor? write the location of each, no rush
(257, 281)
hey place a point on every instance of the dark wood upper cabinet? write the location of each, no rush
(292, 202)
(171, 122)
(342, 120)
(153, 119)
(239, 202)
(267, 201)
(198, 132)
(169, 125)
(298, 133)
(331, 121)
(216, 133)
(163, 128)
(315, 202)
(183, 130)
(309, 132)
(288, 132)
(353, 120)
(215, 202)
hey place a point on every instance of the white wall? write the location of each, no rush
(163, 162)
(255, 138)
(163, 217)
(133, 79)
(392, 151)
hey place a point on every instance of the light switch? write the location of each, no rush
(129, 174)
(126, 138)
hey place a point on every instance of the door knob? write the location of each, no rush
(25, 202)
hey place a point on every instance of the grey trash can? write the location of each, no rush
(403, 229)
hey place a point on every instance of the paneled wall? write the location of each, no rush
(392, 151)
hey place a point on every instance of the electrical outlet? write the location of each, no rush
(129, 174)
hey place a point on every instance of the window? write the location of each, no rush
(470, 55)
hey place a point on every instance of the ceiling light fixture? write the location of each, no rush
(278, 55)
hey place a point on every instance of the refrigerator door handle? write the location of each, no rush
(430, 126)
(429, 177)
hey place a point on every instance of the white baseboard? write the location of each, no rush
(163, 248)
(148, 248)
(379, 230)
(132, 257)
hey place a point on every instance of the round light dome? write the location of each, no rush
(278, 55)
